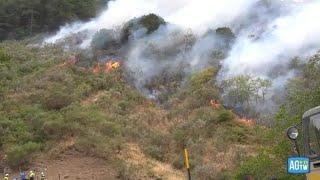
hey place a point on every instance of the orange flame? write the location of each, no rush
(247, 122)
(215, 104)
(111, 65)
(96, 69)
(107, 67)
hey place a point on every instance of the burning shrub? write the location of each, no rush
(200, 89)
(202, 96)
(149, 23)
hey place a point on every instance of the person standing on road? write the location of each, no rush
(32, 175)
(42, 177)
(6, 177)
(23, 176)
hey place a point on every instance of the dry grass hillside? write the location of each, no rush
(67, 119)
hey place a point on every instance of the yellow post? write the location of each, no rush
(186, 160)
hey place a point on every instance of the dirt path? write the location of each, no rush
(76, 166)
(63, 161)
(72, 166)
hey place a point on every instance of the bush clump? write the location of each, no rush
(57, 100)
(225, 116)
(20, 154)
(225, 32)
(200, 79)
(104, 39)
(149, 22)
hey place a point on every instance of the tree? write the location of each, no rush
(243, 89)
(22, 18)
(303, 91)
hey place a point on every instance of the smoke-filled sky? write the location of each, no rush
(268, 33)
(196, 14)
(286, 36)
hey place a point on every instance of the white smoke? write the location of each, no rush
(198, 15)
(269, 33)
(291, 35)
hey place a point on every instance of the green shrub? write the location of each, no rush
(201, 97)
(102, 82)
(180, 135)
(83, 90)
(157, 146)
(91, 144)
(127, 171)
(225, 32)
(4, 58)
(58, 128)
(225, 116)
(150, 22)
(155, 152)
(197, 81)
(260, 167)
(16, 131)
(103, 39)
(110, 129)
(20, 154)
(84, 116)
(206, 114)
(96, 144)
(124, 105)
(57, 100)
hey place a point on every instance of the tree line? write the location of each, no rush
(22, 18)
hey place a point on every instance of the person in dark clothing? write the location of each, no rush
(23, 176)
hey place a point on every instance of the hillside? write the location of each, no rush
(47, 100)
(120, 95)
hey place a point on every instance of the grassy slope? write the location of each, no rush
(44, 103)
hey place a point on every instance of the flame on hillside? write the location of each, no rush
(107, 67)
(111, 65)
(215, 104)
(247, 122)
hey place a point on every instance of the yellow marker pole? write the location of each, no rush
(186, 160)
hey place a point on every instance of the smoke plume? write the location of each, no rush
(268, 34)
(197, 15)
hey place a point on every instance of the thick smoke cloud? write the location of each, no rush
(269, 33)
(198, 15)
(291, 33)
(287, 36)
